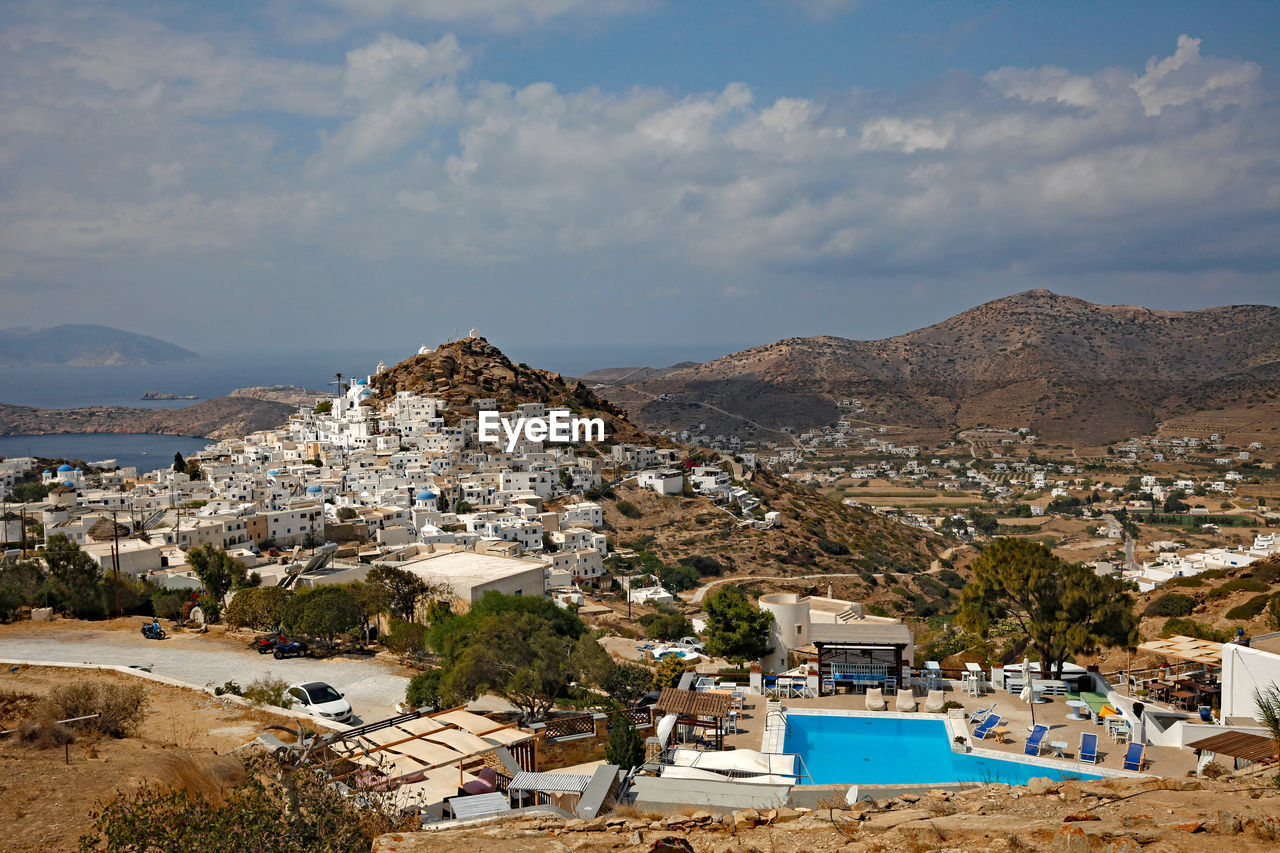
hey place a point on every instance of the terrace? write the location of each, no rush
(748, 729)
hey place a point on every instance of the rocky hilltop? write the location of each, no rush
(472, 368)
(1071, 370)
(85, 345)
(221, 417)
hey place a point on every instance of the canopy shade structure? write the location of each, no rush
(691, 703)
(1246, 745)
(555, 783)
(1186, 648)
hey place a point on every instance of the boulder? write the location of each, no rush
(1042, 785)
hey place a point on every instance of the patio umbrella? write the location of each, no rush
(1028, 693)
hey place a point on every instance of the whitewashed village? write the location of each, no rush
(478, 505)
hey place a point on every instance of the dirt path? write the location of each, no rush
(371, 686)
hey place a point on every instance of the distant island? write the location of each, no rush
(85, 345)
(221, 417)
(158, 395)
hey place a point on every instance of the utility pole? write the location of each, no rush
(115, 561)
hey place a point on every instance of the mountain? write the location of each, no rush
(625, 375)
(1070, 370)
(221, 417)
(85, 345)
(472, 368)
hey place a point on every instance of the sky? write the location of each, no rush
(621, 175)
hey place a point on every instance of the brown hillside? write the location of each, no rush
(1071, 370)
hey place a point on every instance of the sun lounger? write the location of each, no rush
(875, 699)
(906, 701)
(1035, 742)
(934, 701)
(981, 714)
(1133, 756)
(1088, 748)
(984, 730)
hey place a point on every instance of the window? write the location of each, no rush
(797, 630)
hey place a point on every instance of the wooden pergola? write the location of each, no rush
(704, 711)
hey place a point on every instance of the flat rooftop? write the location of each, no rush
(470, 568)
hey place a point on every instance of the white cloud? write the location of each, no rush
(504, 14)
(124, 139)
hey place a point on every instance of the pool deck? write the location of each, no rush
(1160, 761)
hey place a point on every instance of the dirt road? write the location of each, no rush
(371, 686)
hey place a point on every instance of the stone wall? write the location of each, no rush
(552, 753)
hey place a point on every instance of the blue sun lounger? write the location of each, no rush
(988, 724)
(1035, 743)
(1088, 748)
(1133, 756)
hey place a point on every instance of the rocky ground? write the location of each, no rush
(1188, 816)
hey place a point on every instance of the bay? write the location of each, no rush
(144, 451)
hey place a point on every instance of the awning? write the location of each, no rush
(1186, 648)
(1246, 745)
(690, 703)
(479, 805)
(551, 783)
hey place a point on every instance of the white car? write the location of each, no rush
(320, 700)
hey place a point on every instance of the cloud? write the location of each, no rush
(502, 14)
(124, 139)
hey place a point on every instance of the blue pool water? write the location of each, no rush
(886, 751)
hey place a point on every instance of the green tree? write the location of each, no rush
(325, 611)
(1060, 608)
(462, 507)
(403, 589)
(666, 624)
(261, 609)
(424, 690)
(626, 683)
(29, 492)
(193, 469)
(20, 584)
(525, 649)
(625, 748)
(218, 571)
(74, 578)
(736, 629)
(179, 464)
(668, 673)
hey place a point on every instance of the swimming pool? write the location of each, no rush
(839, 749)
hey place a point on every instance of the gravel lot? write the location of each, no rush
(371, 686)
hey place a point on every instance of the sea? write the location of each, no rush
(218, 374)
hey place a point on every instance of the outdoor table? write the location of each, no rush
(1058, 747)
(1182, 696)
(1001, 733)
(1076, 706)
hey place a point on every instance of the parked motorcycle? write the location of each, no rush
(291, 649)
(265, 645)
(152, 630)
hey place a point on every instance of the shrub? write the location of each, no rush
(629, 509)
(268, 689)
(260, 810)
(1171, 604)
(1249, 609)
(259, 608)
(1186, 582)
(405, 638)
(835, 549)
(325, 611)
(1192, 628)
(1244, 585)
(424, 690)
(121, 708)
